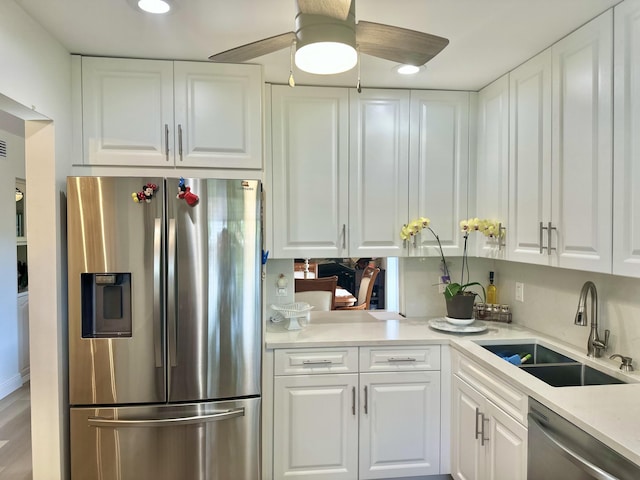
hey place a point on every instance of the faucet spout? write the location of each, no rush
(595, 346)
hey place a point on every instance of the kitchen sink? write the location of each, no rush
(539, 353)
(553, 368)
(570, 375)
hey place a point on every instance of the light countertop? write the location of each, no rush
(610, 413)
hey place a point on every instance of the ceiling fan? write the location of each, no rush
(321, 23)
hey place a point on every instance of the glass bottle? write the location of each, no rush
(492, 291)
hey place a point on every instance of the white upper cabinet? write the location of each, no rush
(491, 174)
(378, 172)
(309, 174)
(581, 207)
(530, 159)
(218, 115)
(626, 229)
(439, 168)
(163, 113)
(127, 110)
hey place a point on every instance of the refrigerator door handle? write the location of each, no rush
(171, 293)
(164, 422)
(157, 298)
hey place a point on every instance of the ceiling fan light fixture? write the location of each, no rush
(326, 45)
(154, 6)
(326, 58)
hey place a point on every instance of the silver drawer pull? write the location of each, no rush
(401, 359)
(317, 362)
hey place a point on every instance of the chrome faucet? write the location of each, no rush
(595, 346)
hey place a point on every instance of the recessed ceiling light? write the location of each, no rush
(407, 69)
(154, 6)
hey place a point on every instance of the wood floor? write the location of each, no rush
(15, 435)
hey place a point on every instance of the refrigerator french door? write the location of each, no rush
(164, 328)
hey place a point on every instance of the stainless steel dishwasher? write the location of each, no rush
(558, 450)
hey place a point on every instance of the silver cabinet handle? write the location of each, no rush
(353, 400)
(317, 362)
(549, 247)
(477, 415)
(549, 228)
(366, 399)
(482, 437)
(401, 359)
(172, 321)
(164, 422)
(575, 458)
(344, 236)
(180, 141)
(501, 229)
(166, 141)
(157, 307)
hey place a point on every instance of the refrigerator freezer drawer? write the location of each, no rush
(197, 441)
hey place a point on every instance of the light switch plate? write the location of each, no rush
(519, 292)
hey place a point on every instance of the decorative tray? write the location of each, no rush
(444, 326)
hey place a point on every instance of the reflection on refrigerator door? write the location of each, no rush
(164, 328)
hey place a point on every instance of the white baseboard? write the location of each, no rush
(10, 385)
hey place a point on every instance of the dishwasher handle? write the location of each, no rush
(575, 458)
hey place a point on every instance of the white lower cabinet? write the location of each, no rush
(487, 442)
(381, 420)
(316, 426)
(399, 424)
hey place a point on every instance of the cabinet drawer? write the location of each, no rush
(390, 359)
(497, 390)
(316, 360)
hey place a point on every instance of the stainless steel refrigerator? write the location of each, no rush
(164, 328)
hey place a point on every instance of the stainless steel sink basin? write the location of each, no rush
(553, 368)
(570, 375)
(539, 354)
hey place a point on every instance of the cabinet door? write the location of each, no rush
(399, 424)
(127, 111)
(530, 159)
(439, 166)
(467, 454)
(506, 454)
(378, 172)
(309, 178)
(315, 431)
(626, 150)
(218, 115)
(582, 146)
(491, 174)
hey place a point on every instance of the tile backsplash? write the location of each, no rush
(550, 298)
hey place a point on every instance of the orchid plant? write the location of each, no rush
(489, 228)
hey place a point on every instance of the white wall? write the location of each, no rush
(11, 167)
(37, 74)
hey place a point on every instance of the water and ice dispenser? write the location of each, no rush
(106, 305)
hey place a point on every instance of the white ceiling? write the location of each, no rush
(487, 37)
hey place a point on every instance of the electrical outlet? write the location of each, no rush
(519, 292)
(281, 291)
(441, 287)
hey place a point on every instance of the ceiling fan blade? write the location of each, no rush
(254, 49)
(329, 8)
(398, 44)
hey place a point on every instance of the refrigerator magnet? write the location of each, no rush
(146, 194)
(185, 193)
